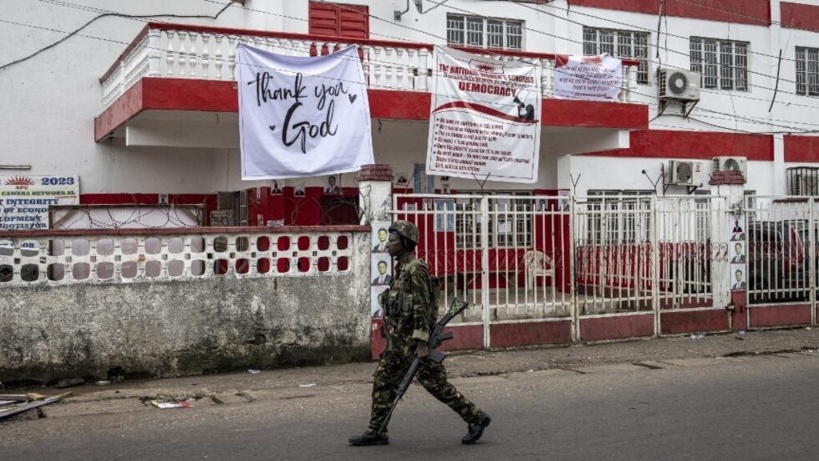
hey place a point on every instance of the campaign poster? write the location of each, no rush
(485, 118)
(596, 78)
(25, 200)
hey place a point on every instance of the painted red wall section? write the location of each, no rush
(755, 12)
(694, 145)
(683, 322)
(801, 148)
(531, 333)
(780, 315)
(800, 16)
(616, 327)
(152, 93)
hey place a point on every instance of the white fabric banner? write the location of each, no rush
(485, 118)
(302, 116)
(588, 77)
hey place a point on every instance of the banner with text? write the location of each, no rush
(588, 77)
(24, 200)
(302, 116)
(485, 118)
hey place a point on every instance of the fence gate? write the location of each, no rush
(507, 255)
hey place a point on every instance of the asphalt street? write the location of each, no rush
(750, 406)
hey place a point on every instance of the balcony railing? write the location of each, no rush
(209, 53)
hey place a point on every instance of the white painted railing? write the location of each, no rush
(126, 256)
(207, 53)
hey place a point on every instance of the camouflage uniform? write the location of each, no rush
(409, 318)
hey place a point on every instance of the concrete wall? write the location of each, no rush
(185, 327)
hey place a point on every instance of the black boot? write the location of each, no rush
(368, 438)
(476, 430)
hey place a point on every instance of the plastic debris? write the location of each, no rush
(70, 382)
(307, 385)
(253, 372)
(166, 405)
(103, 383)
(697, 336)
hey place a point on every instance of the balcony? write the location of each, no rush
(180, 70)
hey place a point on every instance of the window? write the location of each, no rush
(722, 63)
(620, 44)
(807, 71)
(339, 20)
(617, 216)
(490, 33)
(510, 220)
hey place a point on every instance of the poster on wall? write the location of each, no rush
(484, 118)
(380, 266)
(738, 252)
(25, 200)
(588, 77)
(302, 116)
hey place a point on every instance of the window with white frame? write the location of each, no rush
(807, 71)
(484, 32)
(723, 64)
(618, 216)
(510, 220)
(620, 44)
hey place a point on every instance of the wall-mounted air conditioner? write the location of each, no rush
(731, 164)
(685, 173)
(680, 85)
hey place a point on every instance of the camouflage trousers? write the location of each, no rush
(391, 369)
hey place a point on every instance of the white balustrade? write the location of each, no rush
(207, 55)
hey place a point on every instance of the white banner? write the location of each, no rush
(485, 118)
(302, 116)
(588, 77)
(24, 200)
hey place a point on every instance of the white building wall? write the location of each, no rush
(50, 101)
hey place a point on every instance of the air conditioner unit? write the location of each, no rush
(685, 173)
(681, 85)
(731, 164)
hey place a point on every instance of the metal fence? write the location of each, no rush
(781, 249)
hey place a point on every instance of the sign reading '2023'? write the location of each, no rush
(25, 200)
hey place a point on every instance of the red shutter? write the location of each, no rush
(339, 20)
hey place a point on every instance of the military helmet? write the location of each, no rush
(405, 229)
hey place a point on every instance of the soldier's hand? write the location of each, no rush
(422, 350)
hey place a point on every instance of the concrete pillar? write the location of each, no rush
(375, 202)
(375, 193)
(728, 211)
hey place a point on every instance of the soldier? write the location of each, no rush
(409, 318)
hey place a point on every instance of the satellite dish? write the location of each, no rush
(678, 83)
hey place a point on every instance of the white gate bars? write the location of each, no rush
(781, 256)
(507, 255)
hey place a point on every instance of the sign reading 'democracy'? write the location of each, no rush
(24, 200)
(588, 77)
(302, 116)
(485, 118)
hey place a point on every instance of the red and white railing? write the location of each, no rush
(208, 53)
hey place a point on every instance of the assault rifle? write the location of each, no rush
(436, 337)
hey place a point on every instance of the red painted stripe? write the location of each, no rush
(800, 16)
(756, 12)
(530, 334)
(694, 145)
(682, 322)
(801, 148)
(616, 327)
(483, 110)
(152, 93)
(780, 315)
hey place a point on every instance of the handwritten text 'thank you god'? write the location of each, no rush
(299, 124)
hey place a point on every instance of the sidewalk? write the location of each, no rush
(246, 386)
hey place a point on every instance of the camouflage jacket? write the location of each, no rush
(406, 302)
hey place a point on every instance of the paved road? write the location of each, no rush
(748, 407)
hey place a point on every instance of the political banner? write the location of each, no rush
(588, 77)
(485, 118)
(25, 200)
(302, 116)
